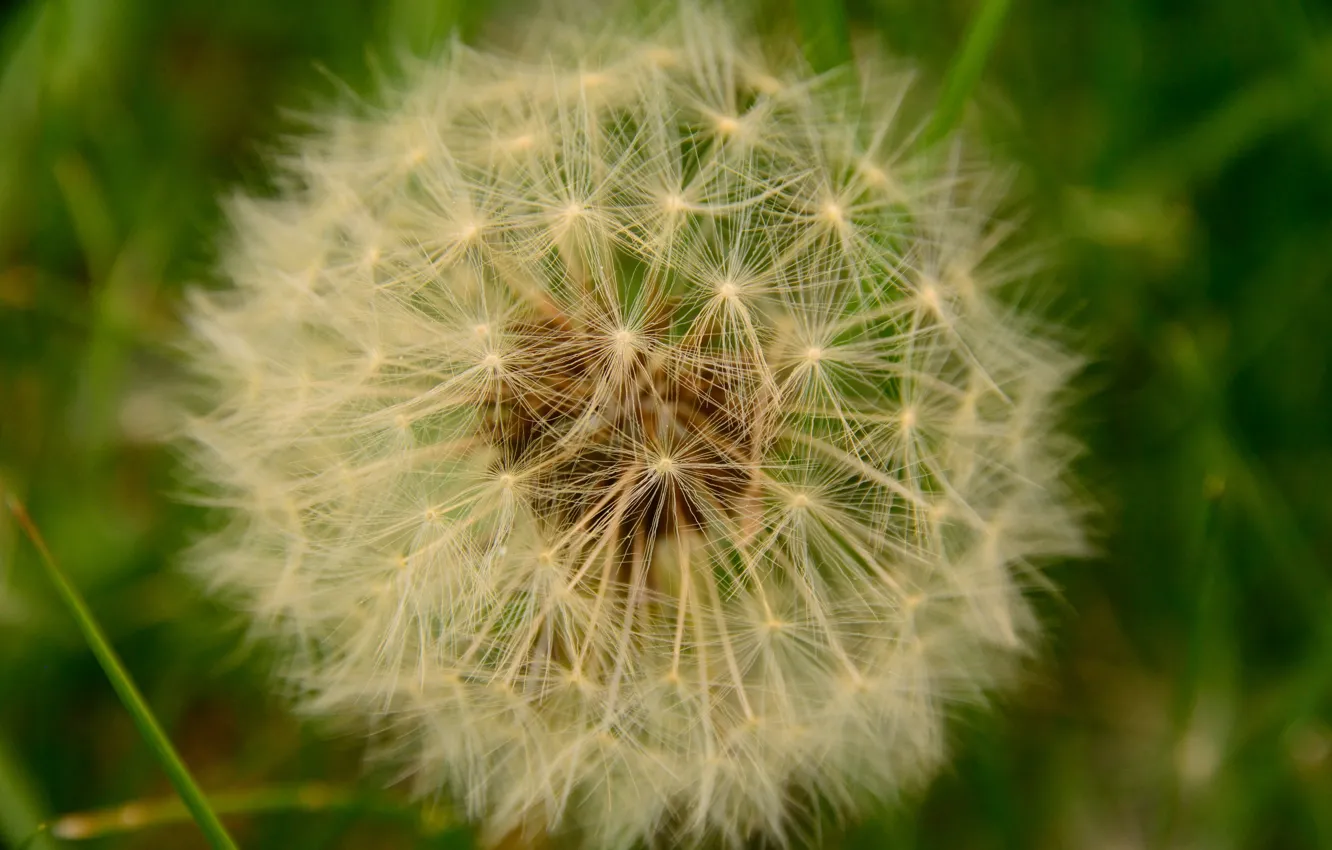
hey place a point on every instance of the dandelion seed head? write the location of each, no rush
(640, 450)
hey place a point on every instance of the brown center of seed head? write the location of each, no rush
(639, 448)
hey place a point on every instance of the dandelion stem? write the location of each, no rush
(193, 798)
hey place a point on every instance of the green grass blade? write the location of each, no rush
(823, 33)
(125, 688)
(965, 70)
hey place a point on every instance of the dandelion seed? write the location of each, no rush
(727, 125)
(651, 459)
(833, 214)
(674, 203)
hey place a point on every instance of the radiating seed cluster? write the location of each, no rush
(630, 432)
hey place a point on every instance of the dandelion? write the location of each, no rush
(631, 433)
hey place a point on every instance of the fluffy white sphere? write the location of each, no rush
(632, 433)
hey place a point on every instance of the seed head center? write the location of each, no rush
(607, 440)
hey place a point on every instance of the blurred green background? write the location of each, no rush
(1177, 159)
